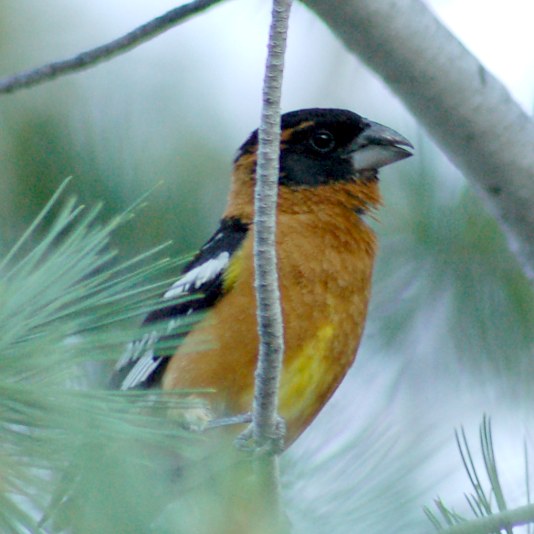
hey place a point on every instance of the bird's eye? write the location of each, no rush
(323, 141)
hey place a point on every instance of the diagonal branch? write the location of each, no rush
(467, 110)
(87, 59)
(269, 310)
(523, 515)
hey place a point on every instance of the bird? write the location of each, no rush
(328, 187)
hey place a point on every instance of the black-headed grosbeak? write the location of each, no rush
(328, 183)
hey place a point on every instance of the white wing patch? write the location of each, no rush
(142, 352)
(198, 276)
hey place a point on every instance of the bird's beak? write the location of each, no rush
(378, 146)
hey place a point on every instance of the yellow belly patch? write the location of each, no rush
(233, 271)
(306, 373)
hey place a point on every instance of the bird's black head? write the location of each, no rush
(321, 146)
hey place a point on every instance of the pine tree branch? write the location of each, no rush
(466, 109)
(495, 522)
(481, 500)
(107, 51)
(269, 311)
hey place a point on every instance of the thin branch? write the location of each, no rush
(467, 110)
(269, 312)
(86, 59)
(229, 421)
(495, 522)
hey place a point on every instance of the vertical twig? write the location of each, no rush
(269, 311)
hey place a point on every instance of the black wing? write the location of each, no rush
(142, 364)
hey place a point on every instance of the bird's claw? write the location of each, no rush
(271, 445)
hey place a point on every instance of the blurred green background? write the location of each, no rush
(450, 333)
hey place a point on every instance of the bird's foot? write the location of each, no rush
(270, 445)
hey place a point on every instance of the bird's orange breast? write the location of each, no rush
(325, 256)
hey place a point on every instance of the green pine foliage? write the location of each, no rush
(75, 455)
(486, 500)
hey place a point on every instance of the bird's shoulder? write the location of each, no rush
(203, 275)
(199, 286)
